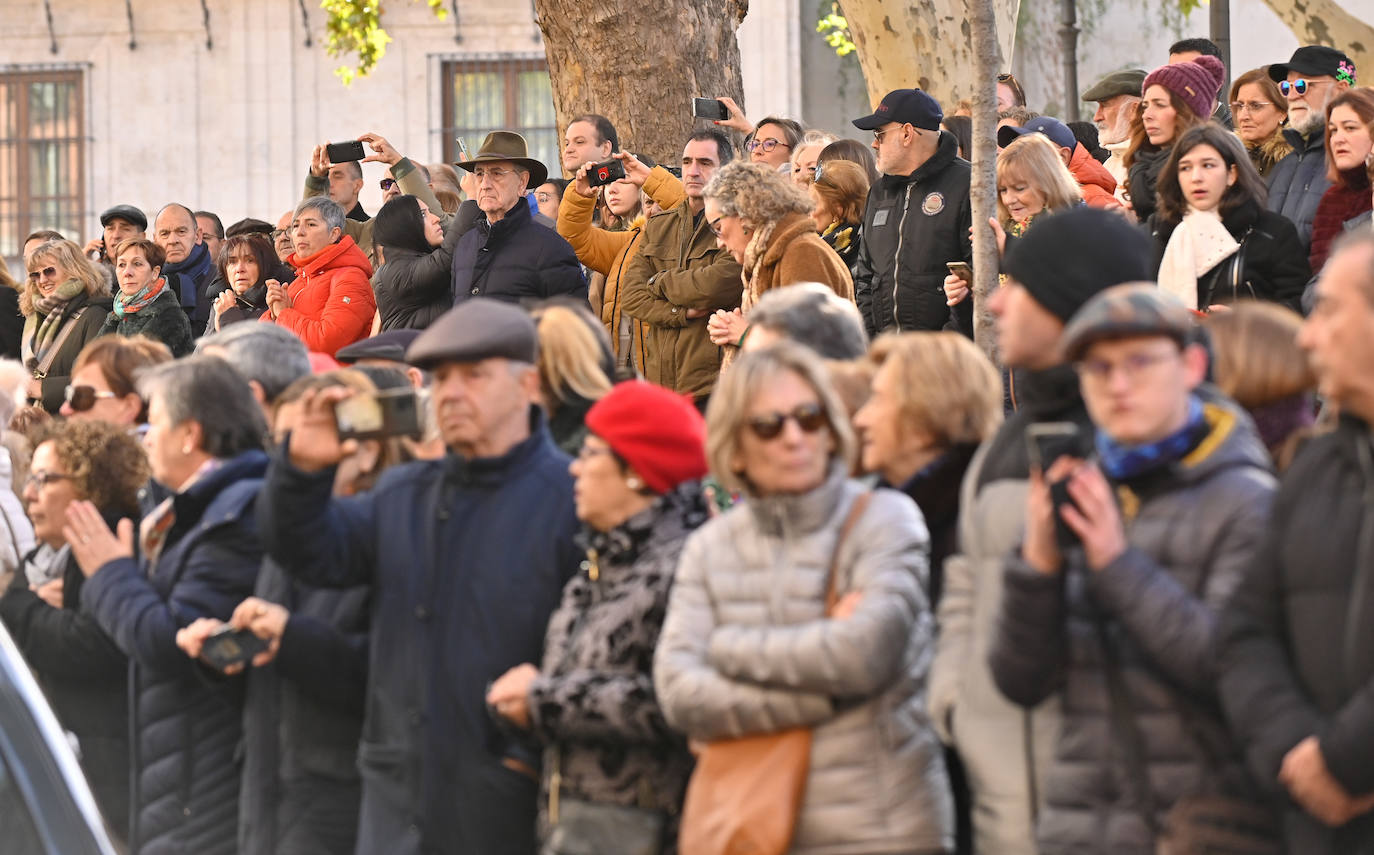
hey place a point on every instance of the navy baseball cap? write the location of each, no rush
(904, 106)
(1057, 131)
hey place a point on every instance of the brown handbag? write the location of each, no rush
(745, 794)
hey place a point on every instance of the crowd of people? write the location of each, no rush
(713, 530)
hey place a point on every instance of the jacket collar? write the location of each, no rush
(1301, 143)
(517, 216)
(804, 513)
(334, 255)
(193, 504)
(940, 478)
(493, 471)
(788, 229)
(1053, 390)
(670, 517)
(946, 152)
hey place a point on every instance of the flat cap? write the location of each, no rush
(477, 328)
(390, 345)
(1125, 82)
(1128, 310)
(128, 213)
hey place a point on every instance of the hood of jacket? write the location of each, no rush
(1086, 170)
(344, 253)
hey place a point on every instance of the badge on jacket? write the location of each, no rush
(933, 204)
(880, 217)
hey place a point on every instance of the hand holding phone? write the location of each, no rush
(343, 152)
(227, 647)
(1046, 444)
(710, 108)
(388, 413)
(606, 172)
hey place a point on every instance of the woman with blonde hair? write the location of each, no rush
(1258, 364)
(575, 368)
(839, 192)
(1260, 112)
(804, 157)
(1031, 179)
(64, 305)
(764, 221)
(752, 643)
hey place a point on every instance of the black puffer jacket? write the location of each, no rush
(1297, 640)
(1298, 182)
(515, 259)
(414, 288)
(1272, 261)
(1189, 528)
(913, 226)
(594, 704)
(186, 722)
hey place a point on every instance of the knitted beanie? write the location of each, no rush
(1196, 83)
(655, 430)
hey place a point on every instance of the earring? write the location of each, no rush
(186, 449)
(634, 483)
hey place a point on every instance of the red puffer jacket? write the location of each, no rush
(1097, 183)
(332, 303)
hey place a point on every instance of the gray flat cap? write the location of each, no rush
(1125, 82)
(476, 329)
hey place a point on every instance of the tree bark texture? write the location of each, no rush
(641, 64)
(924, 43)
(984, 23)
(1323, 22)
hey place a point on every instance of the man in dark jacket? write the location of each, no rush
(189, 267)
(1311, 79)
(1297, 640)
(507, 255)
(467, 557)
(1051, 272)
(916, 221)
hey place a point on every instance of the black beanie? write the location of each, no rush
(398, 225)
(1064, 259)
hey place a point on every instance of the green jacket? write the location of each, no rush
(678, 267)
(412, 183)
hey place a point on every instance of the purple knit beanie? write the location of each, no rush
(1196, 83)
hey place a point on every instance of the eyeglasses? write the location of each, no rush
(587, 452)
(1249, 106)
(1299, 86)
(878, 135)
(714, 225)
(82, 398)
(1100, 371)
(386, 183)
(49, 272)
(278, 234)
(43, 479)
(490, 174)
(767, 144)
(809, 417)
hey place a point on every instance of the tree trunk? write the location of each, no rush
(1323, 22)
(982, 80)
(641, 64)
(925, 43)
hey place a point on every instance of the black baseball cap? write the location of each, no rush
(904, 106)
(128, 213)
(1318, 60)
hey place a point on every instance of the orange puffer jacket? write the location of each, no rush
(332, 303)
(1099, 187)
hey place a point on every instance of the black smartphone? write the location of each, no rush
(227, 646)
(388, 413)
(960, 269)
(343, 152)
(710, 108)
(606, 172)
(1046, 442)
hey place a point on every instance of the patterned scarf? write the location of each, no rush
(1125, 462)
(128, 304)
(838, 235)
(753, 262)
(152, 532)
(42, 324)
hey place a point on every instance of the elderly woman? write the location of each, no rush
(839, 191)
(64, 304)
(330, 304)
(239, 291)
(83, 672)
(1260, 111)
(605, 251)
(305, 695)
(748, 647)
(103, 386)
(592, 703)
(575, 368)
(805, 155)
(414, 279)
(144, 305)
(198, 557)
(764, 221)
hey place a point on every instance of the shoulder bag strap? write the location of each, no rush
(856, 511)
(41, 371)
(1124, 723)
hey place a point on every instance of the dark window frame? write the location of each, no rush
(509, 67)
(21, 209)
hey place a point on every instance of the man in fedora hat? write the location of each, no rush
(507, 255)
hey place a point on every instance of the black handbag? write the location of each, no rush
(580, 827)
(1241, 289)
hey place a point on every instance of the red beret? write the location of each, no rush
(656, 431)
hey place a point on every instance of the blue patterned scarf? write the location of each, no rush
(1125, 462)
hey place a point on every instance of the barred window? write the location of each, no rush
(42, 155)
(501, 93)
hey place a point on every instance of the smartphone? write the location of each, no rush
(606, 172)
(960, 269)
(343, 152)
(388, 413)
(1046, 442)
(710, 108)
(462, 149)
(227, 646)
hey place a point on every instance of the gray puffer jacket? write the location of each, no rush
(747, 649)
(1190, 529)
(1297, 183)
(593, 704)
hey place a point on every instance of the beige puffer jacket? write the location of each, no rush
(746, 649)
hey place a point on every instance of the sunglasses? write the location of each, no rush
(49, 272)
(1299, 86)
(809, 417)
(387, 183)
(82, 398)
(1015, 85)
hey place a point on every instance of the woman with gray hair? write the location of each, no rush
(764, 220)
(199, 556)
(330, 304)
(749, 646)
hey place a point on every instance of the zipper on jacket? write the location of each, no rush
(897, 260)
